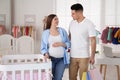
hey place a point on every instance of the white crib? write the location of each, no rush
(25, 67)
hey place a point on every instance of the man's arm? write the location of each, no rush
(93, 49)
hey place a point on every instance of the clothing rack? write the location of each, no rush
(111, 35)
(113, 25)
(23, 31)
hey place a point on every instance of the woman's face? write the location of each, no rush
(55, 21)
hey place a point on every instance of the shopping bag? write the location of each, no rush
(86, 76)
(95, 74)
(92, 74)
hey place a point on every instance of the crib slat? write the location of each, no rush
(13, 75)
(31, 75)
(4, 75)
(47, 74)
(22, 74)
(39, 74)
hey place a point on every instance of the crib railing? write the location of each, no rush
(11, 70)
(25, 67)
(18, 59)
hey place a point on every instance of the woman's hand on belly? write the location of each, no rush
(57, 44)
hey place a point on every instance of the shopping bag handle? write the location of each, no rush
(92, 66)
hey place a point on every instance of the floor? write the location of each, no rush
(111, 73)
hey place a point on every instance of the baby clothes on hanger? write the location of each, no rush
(16, 31)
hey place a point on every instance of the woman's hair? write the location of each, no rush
(48, 21)
(77, 7)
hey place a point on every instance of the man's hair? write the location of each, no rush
(77, 7)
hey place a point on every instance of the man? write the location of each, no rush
(82, 35)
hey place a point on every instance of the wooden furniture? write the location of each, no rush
(103, 61)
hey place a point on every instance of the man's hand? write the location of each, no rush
(92, 60)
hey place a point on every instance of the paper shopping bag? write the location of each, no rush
(86, 76)
(95, 74)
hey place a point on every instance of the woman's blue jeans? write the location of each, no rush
(58, 68)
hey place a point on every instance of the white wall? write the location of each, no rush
(107, 12)
(92, 11)
(39, 8)
(5, 8)
(112, 12)
(102, 12)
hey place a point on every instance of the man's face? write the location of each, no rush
(75, 14)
